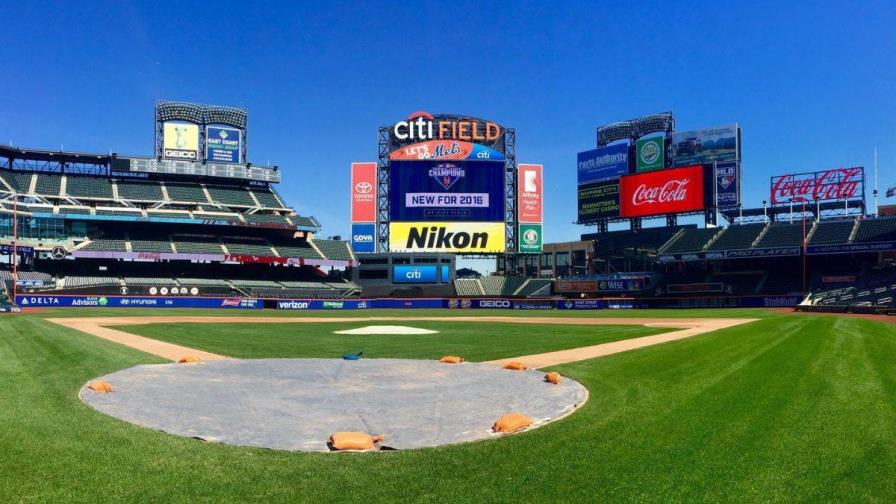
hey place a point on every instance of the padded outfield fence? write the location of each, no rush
(66, 301)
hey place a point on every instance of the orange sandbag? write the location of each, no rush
(189, 359)
(511, 422)
(552, 377)
(100, 386)
(516, 366)
(451, 359)
(353, 441)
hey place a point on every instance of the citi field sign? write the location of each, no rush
(426, 136)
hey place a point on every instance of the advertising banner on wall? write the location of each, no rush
(446, 150)
(704, 146)
(529, 194)
(364, 237)
(363, 192)
(530, 239)
(180, 140)
(414, 273)
(459, 237)
(599, 200)
(650, 154)
(662, 192)
(223, 144)
(828, 185)
(727, 184)
(446, 191)
(602, 164)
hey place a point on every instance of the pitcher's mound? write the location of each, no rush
(386, 329)
(296, 404)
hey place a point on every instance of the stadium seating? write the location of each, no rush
(81, 282)
(690, 240)
(139, 191)
(106, 245)
(231, 196)
(74, 210)
(197, 245)
(150, 282)
(163, 214)
(467, 287)
(265, 219)
(186, 193)
(332, 249)
(267, 198)
(832, 232)
(12, 180)
(535, 286)
(203, 282)
(783, 235)
(301, 221)
(160, 245)
(79, 186)
(737, 237)
(296, 248)
(47, 184)
(123, 212)
(247, 246)
(876, 230)
(500, 285)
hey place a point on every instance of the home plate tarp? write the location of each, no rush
(296, 404)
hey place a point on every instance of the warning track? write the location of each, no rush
(103, 327)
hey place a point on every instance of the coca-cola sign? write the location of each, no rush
(662, 192)
(828, 185)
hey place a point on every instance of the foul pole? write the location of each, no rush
(15, 246)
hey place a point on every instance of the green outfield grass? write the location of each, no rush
(791, 407)
(477, 341)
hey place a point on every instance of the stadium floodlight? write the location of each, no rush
(635, 128)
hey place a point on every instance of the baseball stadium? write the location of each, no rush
(174, 329)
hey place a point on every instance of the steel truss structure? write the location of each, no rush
(506, 143)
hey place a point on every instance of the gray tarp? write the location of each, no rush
(296, 404)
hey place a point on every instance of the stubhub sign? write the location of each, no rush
(414, 274)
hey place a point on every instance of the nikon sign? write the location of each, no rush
(459, 237)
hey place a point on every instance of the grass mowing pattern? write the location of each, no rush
(475, 341)
(786, 408)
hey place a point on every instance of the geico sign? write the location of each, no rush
(482, 237)
(421, 126)
(494, 303)
(180, 154)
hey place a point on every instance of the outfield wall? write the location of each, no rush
(68, 301)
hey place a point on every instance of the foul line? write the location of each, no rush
(100, 327)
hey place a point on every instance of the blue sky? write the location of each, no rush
(812, 85)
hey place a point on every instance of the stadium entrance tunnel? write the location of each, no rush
(297, 404)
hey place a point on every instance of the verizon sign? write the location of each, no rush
(828, 185)
(661, 192)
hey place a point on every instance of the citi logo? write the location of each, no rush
(421, 126)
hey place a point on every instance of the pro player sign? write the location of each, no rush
(662, 192)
